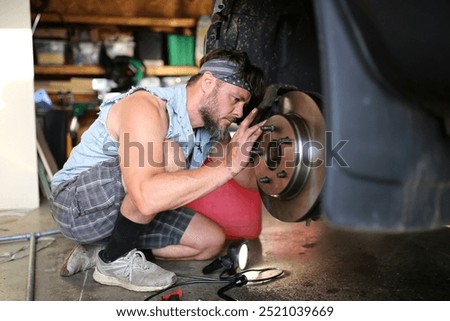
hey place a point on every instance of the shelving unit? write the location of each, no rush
(118, 20)
(165, 16)
(97, 71)
(62, 20)
(186, 24)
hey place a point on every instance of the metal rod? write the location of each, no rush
(27, 236)
(31, 268)
(35, 23)
(32, 257)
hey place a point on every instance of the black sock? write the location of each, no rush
(123, 239)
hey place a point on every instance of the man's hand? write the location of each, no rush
(238, 150)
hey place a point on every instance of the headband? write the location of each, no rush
(227, 71)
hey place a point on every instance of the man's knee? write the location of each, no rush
(206, 236)
(213, 246)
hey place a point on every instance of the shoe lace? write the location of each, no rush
(136, 259)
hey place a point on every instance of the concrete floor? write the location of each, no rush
(319, 262)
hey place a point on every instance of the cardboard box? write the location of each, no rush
(50, 52)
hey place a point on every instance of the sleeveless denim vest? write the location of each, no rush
(97, 146)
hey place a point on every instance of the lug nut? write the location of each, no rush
(282, 174)
(268, 128)
(285, 140)
(264, 180)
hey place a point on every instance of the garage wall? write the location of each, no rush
(19, 187)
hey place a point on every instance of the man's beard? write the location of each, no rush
(211, 124)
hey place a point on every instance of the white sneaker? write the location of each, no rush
(133, 272)
(80, 258)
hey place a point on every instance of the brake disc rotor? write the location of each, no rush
(291, 156)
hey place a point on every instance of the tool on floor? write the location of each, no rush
(173, 296)
(236, 259)
(233, 275)
(32, 237)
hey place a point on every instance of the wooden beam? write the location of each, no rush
(120, 20)
(74, 70)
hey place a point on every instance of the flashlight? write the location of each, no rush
(236, 259)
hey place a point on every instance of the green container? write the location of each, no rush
(180, 50)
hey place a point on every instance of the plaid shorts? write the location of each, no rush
(86, 208)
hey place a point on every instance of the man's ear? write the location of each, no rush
(208, 82)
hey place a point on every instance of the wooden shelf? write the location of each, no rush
(120, 20)
(69, 70)
(172, 71)
(73, 70)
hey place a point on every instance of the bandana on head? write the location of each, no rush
(225, 70)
